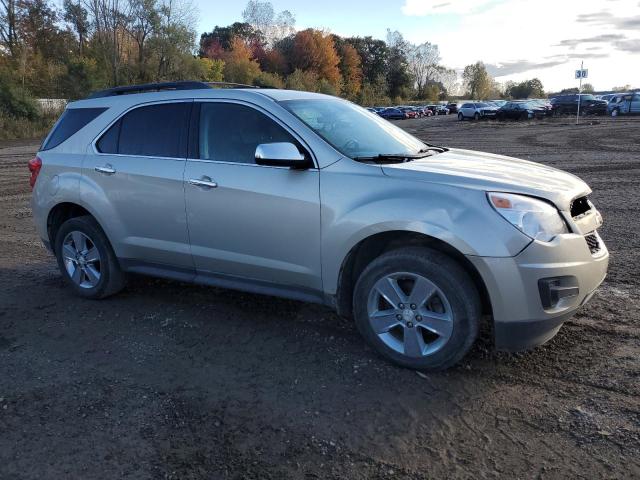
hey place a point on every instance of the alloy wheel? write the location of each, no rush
(81, 259)
(410, 314)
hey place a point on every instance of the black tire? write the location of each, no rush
(112, 279)
(450, 278)
(460, 117)
(476, 116)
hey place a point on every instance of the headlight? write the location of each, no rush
(535, 218)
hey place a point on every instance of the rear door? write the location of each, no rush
(136, 184)
(248, 221)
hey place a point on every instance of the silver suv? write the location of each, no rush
(313, 198)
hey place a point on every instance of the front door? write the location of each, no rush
(136, 184)
(247, 221)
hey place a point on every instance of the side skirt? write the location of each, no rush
(225, 281)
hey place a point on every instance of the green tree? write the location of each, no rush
(477, 80)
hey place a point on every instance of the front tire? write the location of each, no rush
(476, 116)
(418, 308)
(86, 260)
(460, 117)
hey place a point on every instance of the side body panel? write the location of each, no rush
(359, 200)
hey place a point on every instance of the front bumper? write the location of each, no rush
(523, 317)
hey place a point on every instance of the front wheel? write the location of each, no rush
(460, 117)
(86, 260)
(476, 116)
(615, 112)
(418, 308)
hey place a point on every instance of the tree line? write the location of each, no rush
(67, 51)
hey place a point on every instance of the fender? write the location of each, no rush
(354, 211)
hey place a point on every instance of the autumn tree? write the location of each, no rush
(314, 51)
(239, 66)
(350, 68)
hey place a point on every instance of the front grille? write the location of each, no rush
(593, 243)
(580, 206)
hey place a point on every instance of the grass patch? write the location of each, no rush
(12, 128)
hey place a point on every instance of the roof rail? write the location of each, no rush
(231, 84)
(157, 87)
(148, 87)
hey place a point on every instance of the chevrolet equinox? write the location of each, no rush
(310, 197)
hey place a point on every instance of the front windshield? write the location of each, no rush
(482, 105)
(587, 97)
(352, 130)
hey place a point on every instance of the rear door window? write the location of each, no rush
(70, 122)
(151, 131)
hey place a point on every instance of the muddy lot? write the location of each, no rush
(173, 381)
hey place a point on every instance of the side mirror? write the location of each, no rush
(280, 154)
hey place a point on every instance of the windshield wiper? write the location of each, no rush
(390, 157)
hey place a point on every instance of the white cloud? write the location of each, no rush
(421, 8)
(521, 39)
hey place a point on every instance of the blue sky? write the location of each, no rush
(517, 39)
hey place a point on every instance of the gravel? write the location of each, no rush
(175, 381)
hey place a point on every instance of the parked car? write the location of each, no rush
(476, 111)
(568, 104)
(628, 104)
(307, 196)
(518, 110)
(543, 104)
(453, 107)
(372, 110)
(439, 109)
(409, 111)
(393, 114)
(608, 97)
(497, 103)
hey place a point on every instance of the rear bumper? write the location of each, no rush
(522, 313)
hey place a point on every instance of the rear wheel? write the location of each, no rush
(418, 308)
(86, 260)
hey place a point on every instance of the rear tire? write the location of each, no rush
(86, 260)
(430, 331)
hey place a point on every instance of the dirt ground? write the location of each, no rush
(173, 381)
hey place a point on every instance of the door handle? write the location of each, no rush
(107, 169)
(205, 182)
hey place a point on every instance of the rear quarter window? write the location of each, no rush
(70, 122)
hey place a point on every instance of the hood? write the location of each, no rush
(489, 172)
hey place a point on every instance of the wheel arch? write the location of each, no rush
(375, 245)
(63, 211)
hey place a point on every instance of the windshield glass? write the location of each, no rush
(587, 97)
(352, 130)
(482, 105)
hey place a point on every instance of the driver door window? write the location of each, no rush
(231, 132)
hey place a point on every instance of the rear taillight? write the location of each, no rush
(35, 164)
